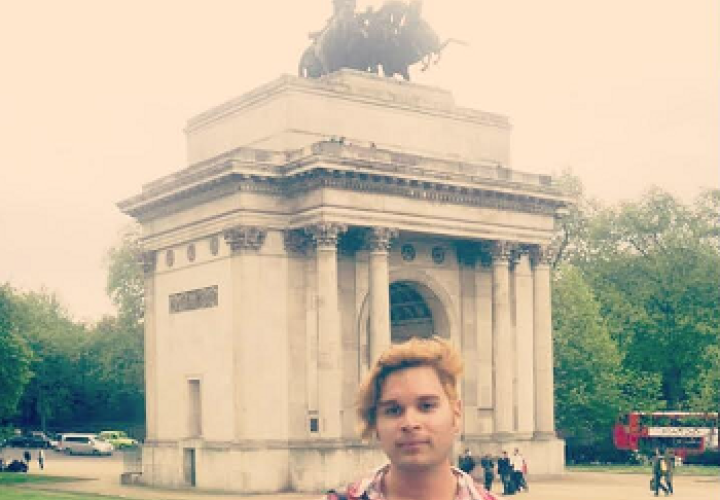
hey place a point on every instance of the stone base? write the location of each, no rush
(234, 468)
(545, 455)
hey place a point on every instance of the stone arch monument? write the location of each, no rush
(318, 220)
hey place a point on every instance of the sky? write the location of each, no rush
(95, 95)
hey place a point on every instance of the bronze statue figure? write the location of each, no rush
(391, 39)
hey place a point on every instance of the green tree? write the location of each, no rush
(125, 282)
(588, 374)
(14, 356)
(655, 272)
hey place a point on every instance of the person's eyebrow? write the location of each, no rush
(387, 402)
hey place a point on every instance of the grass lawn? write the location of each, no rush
(9, 489)
(684, 470)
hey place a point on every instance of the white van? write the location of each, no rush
(84, 444)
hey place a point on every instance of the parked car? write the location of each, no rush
(84, 444)
(33, 440)
(118, 439)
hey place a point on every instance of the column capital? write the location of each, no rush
(542, 255)
(468, 252)
(325, 234)
(296, 241)
(503, 252)
(148, 260)
(240, 238)
(379, 239)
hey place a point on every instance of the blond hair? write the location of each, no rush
(435, 352)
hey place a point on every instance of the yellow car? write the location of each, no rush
(118, 439)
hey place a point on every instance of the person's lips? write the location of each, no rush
(413, 443)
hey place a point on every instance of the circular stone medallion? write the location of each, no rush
(408, 252)
(438, 255)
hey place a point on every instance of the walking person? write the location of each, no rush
(670, 462)
(41, 459)
(505, 471)
(26, 458)
(488, 467)
(659, 468)
(519, 467)
(466, 462)
(409, 404)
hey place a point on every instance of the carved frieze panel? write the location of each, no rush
(201, 298)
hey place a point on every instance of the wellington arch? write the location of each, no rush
(317, 222)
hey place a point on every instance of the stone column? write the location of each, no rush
(467, 256)
(149, 261)
(329, 333)
(244, 242)
(503, 345)
(541, 257)
(524, 341)
(379, 239)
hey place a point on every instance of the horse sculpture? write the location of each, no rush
(391, 39)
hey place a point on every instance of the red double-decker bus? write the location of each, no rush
(686, 433)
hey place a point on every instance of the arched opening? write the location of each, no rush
(410, 315)
(419, 307)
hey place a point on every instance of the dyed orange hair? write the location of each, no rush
(436, 353)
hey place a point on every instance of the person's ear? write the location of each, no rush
(457, 415)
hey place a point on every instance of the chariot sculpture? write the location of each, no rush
(389, 39)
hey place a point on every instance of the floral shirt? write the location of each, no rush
(370, 488)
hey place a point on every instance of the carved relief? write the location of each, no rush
(169, 258)
(379, 239)
(201, 298)
(408, 252)
(240, 238)
(438, 255)
(325, 234)
(214, 245)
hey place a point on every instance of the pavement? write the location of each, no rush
(100, 476)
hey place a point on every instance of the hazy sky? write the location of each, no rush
(94, 96)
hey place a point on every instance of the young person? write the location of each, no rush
(409, 403)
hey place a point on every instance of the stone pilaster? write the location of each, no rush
(379, 240)
(325, 237)
(502, 252)
(244, 243)
(467, 255)
(541, 257)
(148, 261)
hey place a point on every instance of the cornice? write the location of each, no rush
(356, 168)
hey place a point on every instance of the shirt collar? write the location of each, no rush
(370, 487)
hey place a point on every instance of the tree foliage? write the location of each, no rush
(587, 362)
(14, 356)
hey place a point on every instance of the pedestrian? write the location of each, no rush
(670, 472)
(27, 457)
(409, 403)
(41, 459)
(659, 468)
(519, 467)
(505, 471)
(488, 467)
(466, 462)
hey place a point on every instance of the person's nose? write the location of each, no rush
(410, 420)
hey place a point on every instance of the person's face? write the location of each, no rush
(416, 423)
